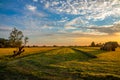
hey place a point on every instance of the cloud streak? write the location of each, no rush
(109, 30)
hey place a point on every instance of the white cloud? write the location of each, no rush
(31, 8)
(34, 11)
(35, 0)
(47, 27)
(47, 4)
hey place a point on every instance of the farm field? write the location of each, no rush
(60, 63)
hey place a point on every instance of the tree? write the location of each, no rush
(16, 38)
(109, 46)
(92, 44)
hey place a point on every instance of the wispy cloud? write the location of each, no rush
(82, 6)
(90, 9)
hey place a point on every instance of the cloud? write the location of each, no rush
(109, 30)
(91, 9)
(31, 8)
(89, 32)
(47, 27)
(47, 5)
(78, 6)
(92, 29)
(33, 11)
(75, 23)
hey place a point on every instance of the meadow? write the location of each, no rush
(60, 63)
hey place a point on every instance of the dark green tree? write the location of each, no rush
(92, 44)
(4, 43)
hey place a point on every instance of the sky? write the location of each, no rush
(62, 22)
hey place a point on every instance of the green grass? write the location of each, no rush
(63, 64)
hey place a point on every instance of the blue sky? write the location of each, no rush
(62, 22)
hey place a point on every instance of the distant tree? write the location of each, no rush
(54, 45)
(4, 43)
(98, 44)
(109, 46)
(44, 46)
(92, 44)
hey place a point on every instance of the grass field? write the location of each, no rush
(60, 63)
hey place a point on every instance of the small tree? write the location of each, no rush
(16, 40)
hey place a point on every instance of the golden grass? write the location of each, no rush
(66, 64)
(111, 56)
(87, 49)
(9, 51)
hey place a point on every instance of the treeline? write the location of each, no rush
(16, 39)
(4, 43)
(93, 44)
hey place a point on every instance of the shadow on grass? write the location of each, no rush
(97, 52)
(89, 55)
(9, 74)
(53, 73)
(79, 76)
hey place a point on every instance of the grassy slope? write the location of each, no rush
(63, 64)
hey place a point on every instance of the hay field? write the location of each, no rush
(63, 63)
